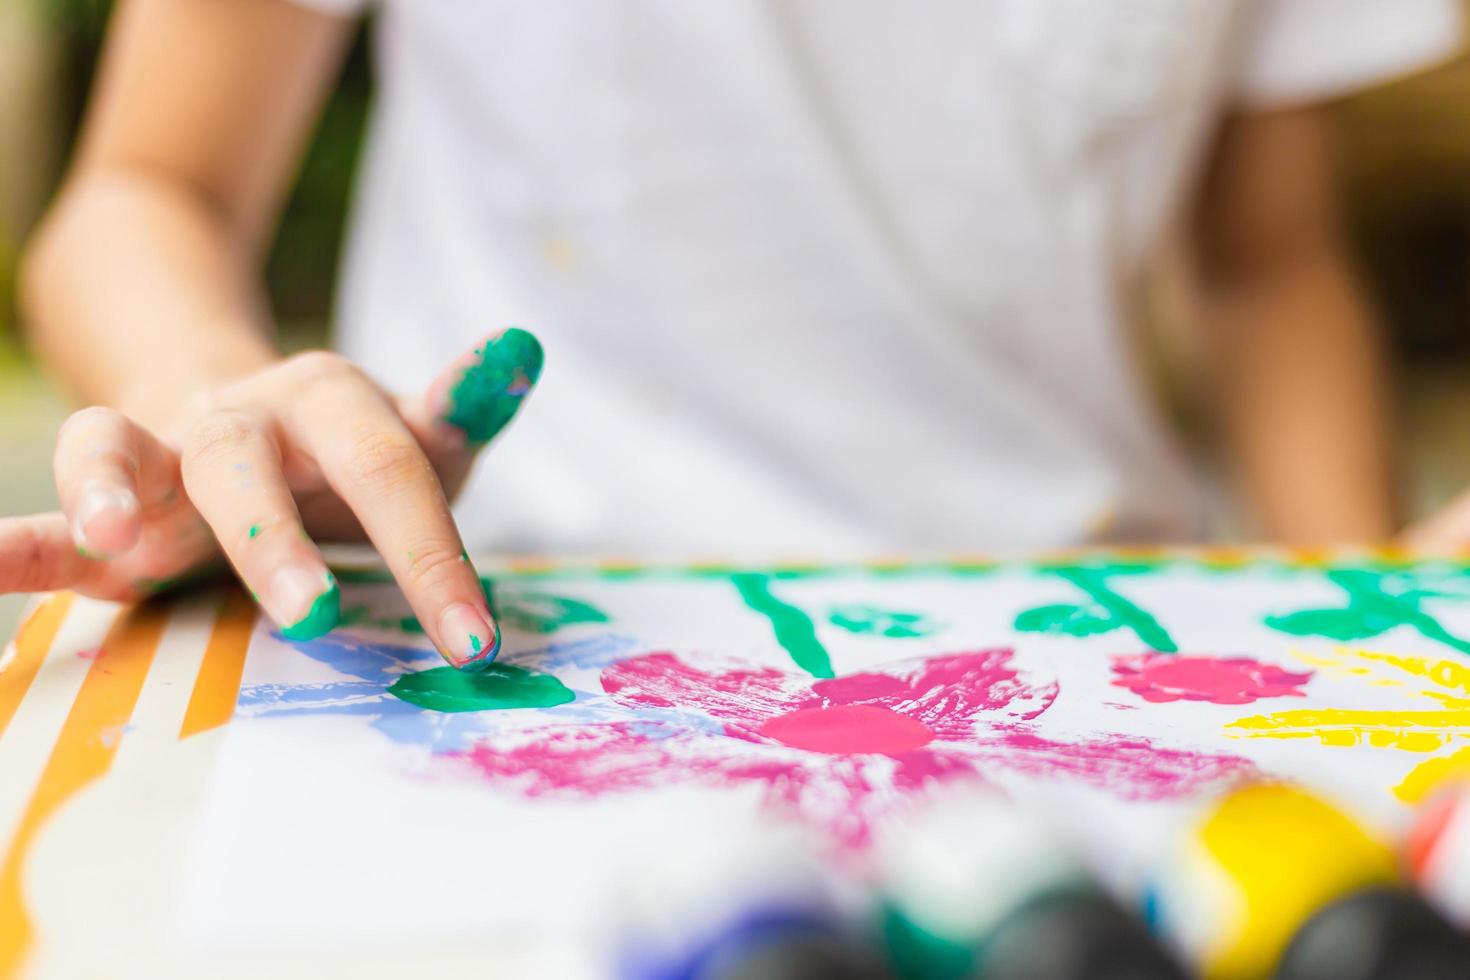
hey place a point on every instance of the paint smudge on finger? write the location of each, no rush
(493, 382)
(1220, 680)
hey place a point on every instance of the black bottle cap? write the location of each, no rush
(1075, 936)
(1378, 934)
(796, 956)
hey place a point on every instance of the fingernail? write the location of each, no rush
(101, 500)
(306, 600)
(467, 639)
(489, 392)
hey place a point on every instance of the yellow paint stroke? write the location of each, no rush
(1444, 681)
(1412, 731)
(217, 686)
(1288, 854)
(1346, 663)
(1453, 675)
(32, 642)
(1429, 775)
(83, 752)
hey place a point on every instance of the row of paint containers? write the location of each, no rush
(1269, 881)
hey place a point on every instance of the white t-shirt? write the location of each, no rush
(813, 276)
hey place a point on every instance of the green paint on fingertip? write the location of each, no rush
(254, 531)
(323, 616)
(489, 393)
(498, 686)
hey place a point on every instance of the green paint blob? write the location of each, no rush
(1377, 602)
(490, 391)
(891, 623)
(794, 629)
(1108, 609)
(498, 686)
(254, 531)
(537, 612)
(323, 616)
(363, 616)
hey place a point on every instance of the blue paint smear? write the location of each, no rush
(377, 665)
(383, 662)
(588, 653)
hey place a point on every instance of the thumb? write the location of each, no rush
(473, 400)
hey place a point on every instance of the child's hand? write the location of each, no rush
(307, 448)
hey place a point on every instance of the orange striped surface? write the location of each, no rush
(35, 637)
(218, 684)
(83, 752)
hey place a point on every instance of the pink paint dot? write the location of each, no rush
(91, 654)
(847, 729)
(1160, 677)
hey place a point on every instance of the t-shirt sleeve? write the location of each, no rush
(344, 8)
(1297, 51)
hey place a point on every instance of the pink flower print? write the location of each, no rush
(1162, 677)
(838, 754)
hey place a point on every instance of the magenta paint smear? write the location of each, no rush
(1135, 767)
(1220, 680)
(837, 754)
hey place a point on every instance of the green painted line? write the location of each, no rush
(794, 629)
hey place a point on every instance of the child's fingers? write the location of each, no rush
(374, 463)
(99, 456)
(232, 472)
(37, 555)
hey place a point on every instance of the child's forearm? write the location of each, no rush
(1298, 376)
(137, 295)
(1303, 405)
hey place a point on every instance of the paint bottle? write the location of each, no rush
(972, 887)
(749, 904)
(1437, 853)
(1275, 882)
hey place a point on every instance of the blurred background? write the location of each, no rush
(1406, 151)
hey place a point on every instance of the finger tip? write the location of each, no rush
(484, 390)
(321, 618)
(469, 639)
(107, 523)
(102, 539)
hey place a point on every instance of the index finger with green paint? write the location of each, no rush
(468, 406)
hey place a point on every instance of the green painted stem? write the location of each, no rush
(1094, 583)
(794, 629)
